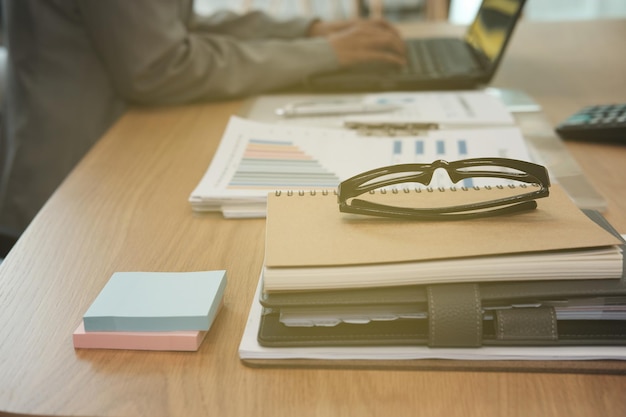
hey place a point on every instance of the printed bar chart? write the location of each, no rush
(268, 164)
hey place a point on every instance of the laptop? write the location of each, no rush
(437, 63)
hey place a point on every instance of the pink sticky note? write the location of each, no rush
(179, 341)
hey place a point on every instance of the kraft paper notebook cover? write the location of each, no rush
(311, 245)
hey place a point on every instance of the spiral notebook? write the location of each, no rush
(310, 245)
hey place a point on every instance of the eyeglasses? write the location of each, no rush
(526, 183)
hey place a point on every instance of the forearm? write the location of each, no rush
(253, 25)
(220, 67)
(159, 60)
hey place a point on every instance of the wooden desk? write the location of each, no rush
(125, 208)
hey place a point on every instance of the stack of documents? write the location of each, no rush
(550, 277)
(255, 158)
(544, 284)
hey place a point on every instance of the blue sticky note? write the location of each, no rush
(157, 301)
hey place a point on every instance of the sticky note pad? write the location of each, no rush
(156, 302)
(187, 340)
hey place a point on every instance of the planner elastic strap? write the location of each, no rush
(455, 316)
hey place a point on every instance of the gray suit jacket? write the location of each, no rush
(75, 65)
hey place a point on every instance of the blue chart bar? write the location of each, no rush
(468, 182)
(462, 147)
(270, 142)
(419, 147)
(397, 147)
(441, 147)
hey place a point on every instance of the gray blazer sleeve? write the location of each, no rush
(156, 54)
(252, 25)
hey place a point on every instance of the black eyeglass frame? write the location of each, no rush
(527, 172)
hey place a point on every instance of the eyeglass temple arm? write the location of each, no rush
(373, 209)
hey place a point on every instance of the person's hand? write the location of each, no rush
(321, 28)
(360, 41)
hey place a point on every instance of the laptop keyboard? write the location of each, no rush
(439, 56)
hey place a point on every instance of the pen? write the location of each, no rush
(390, 125)
(332, 108)
(390, 128)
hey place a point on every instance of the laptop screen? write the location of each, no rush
(491, 29)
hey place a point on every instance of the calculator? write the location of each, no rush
(596, 123)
